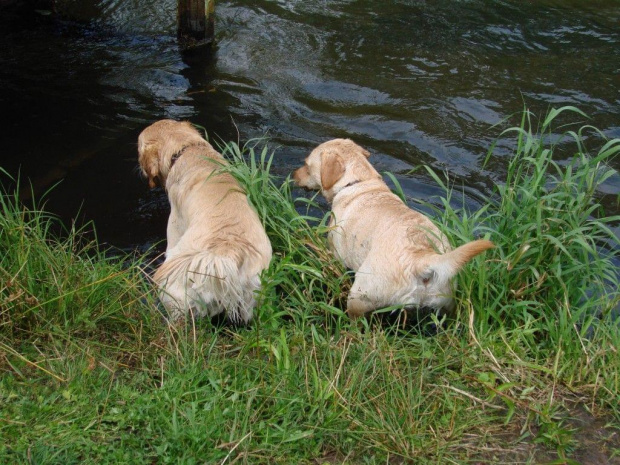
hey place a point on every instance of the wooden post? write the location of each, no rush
(195, 22)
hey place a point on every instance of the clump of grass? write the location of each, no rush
(304, 280)
(57, 289)
(552, 282)
(556, 252)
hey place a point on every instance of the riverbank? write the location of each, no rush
(528, 371)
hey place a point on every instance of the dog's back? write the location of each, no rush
(399, 256)
(217, 246)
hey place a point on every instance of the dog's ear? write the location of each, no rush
(332, 169)
(150, 163)
(446, 266)
(365, 152)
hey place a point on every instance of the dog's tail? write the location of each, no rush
(222, 278)
(447, 265)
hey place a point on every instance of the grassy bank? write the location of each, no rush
(90, 372)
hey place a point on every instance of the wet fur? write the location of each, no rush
(217, 246)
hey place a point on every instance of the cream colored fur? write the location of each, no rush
(399, 256)
(217, 246)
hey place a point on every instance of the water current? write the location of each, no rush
(415, 82)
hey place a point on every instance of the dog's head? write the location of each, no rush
(333, 165)
(157, 145)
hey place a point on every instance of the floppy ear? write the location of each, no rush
(150, 164)
(447, 265)
(332, 169)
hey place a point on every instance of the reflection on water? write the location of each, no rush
(413, 81)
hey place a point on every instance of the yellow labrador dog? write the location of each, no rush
(399, 256)
(217, 246)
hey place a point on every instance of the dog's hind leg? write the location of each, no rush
(359, 303)
(357, 307)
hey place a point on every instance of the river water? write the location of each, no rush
(415, 82)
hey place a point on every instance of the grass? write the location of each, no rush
(91, 373)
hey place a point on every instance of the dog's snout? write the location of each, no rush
(298, 174)
(301, 176)
(154, 182)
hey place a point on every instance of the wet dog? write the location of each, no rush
(217, 246)
(398, 255)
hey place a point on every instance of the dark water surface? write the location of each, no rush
(415, 82)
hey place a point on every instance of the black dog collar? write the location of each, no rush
(177, 155)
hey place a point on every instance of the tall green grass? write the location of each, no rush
(552, 282)
(60, 292)
(555, 269)
(304, 280)
(91, 372)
